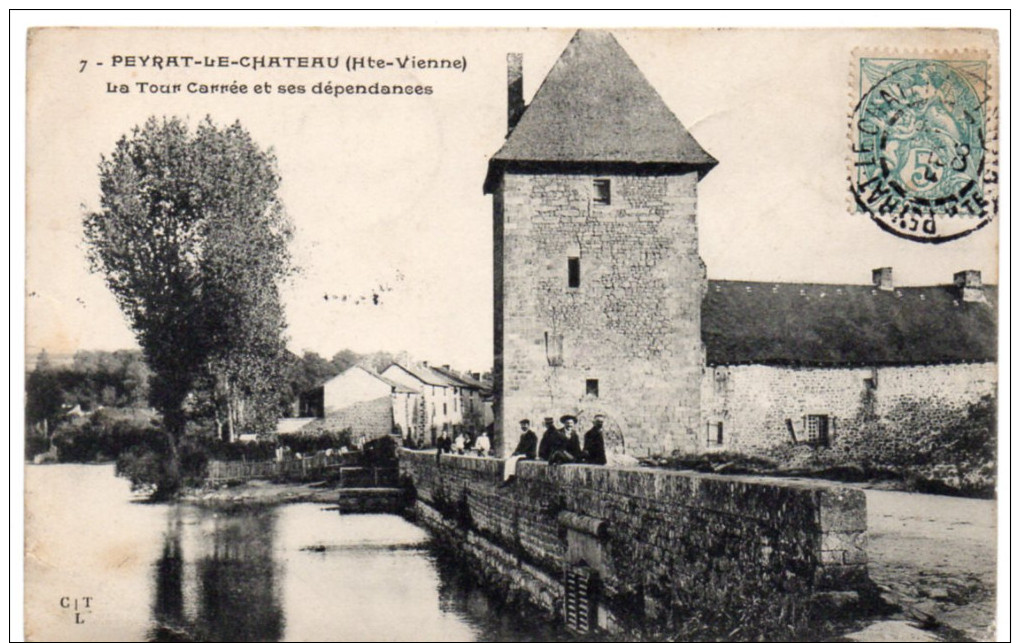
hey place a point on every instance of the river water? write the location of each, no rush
(101, 565)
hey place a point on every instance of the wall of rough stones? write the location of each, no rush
(633, 323)
(667, 541)
(372, 418)
(754, 403)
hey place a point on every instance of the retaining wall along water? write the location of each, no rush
(662, 543)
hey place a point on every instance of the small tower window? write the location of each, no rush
(574, 272)
(591, 388)
(601, 192)
(714, 433)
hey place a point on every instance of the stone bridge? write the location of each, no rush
(659, 544)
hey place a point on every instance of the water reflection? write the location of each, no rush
(230, 576)
(459, 593)
(288, 573)
(168, 607)
(234, 582)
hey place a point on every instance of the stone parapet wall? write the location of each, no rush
(660, 540)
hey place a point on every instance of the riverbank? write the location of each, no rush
(263, 493)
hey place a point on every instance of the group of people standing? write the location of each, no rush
(559, 445)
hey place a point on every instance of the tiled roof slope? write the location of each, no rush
(397, 386)
(461, 379)
(814, 324)
(596, 107)
(425, 374)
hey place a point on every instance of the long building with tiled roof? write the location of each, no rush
(602, 304)
(744, 322)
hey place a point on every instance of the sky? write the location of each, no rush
(385, 193)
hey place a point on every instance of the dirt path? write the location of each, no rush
(935, 556)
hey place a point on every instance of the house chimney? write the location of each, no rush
(425, 363)
(882, 278)
(969, 284)
(446, 367)
(514, 90)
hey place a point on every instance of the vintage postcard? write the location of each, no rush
(511, 334)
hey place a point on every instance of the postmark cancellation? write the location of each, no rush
(923, 161)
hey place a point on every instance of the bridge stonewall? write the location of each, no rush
(644, 546)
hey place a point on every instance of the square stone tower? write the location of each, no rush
(598, 281)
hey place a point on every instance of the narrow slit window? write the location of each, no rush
(601, 191)
(591, 388)
(574, 272)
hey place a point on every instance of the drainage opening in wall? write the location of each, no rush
(580, 600)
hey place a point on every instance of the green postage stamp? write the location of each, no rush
(923, 135)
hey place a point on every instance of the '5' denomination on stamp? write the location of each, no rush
(924, 159)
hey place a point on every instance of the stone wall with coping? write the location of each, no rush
(666, 540)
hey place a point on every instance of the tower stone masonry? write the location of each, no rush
(598, 281)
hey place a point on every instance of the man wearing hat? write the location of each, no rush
(569, 447)
(573, 438)
(526, 450)
(595, 443)
(551, 440)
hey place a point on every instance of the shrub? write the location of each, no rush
(146, 465)
(713, 461)
(313, 442)
(35, 444)
(104, 435)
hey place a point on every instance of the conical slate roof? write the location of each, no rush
(596, 108)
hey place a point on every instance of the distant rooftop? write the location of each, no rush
(425, 374)
(461, 379)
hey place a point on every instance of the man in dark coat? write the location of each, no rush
(527, 446)
(443, 445)
(572, 440)
(568, 448)
(595, 443)
(550, 441)
(527, 449)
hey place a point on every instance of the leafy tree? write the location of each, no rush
(119, 378)
(379, 360)
(345, 359)
(43, 405)
(192, 241)
(309, 371)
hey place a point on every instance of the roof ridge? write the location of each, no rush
(595, 106)
(834, 285)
